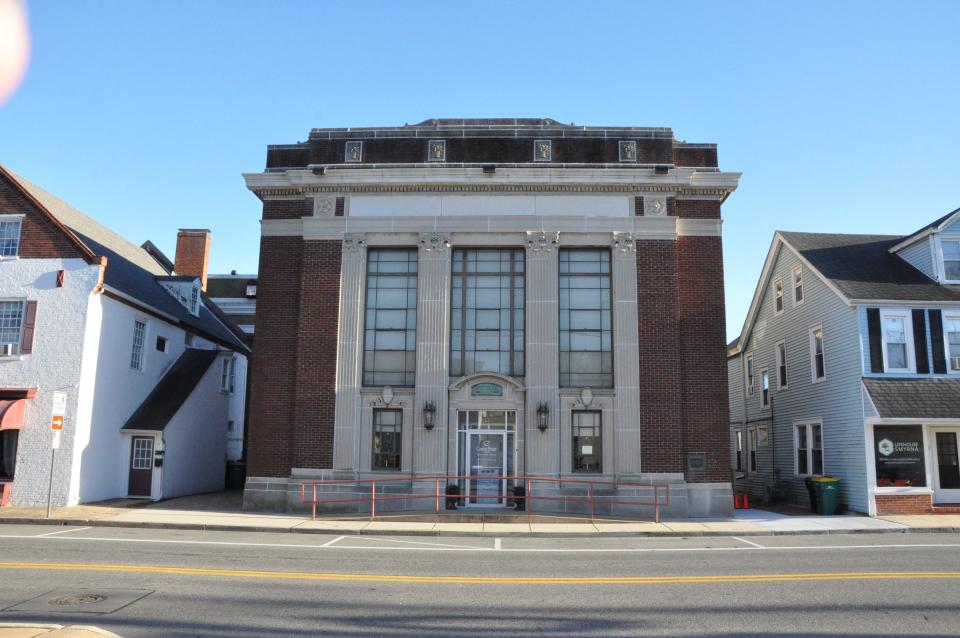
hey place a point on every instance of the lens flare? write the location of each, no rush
(14, 46)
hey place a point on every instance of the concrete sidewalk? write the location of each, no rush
(192, 516)
(25, 630)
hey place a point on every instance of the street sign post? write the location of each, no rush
(56, 426)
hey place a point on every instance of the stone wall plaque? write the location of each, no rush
(486, 390)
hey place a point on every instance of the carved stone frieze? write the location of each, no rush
(354, 243)
(624, 243)
(434, 243)
(542, 241)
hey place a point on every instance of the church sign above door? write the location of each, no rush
(486, 390)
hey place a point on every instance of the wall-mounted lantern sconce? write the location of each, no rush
(543, 415)
(429, 411)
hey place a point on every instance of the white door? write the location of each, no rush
(947, 470)
(487, 466)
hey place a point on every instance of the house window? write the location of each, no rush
(390, 329)
(142, 453)
(251, 290)
(8, 453)
(139, 336)
(778, 295)
(161, 344)
(10, 236)
(781, 365)
(11, 324)
(586, 335)
(387, 439)
(752, 450)
(487, 312)
(817, 369)
(765, 388)
(897, 348)
(587, 441)
(739, 447)
(749, 375)
(951, 334)
(226, 375)
(798, 285)
(951, 259)
(808, 442)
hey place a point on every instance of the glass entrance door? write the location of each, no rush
(487, 452)
(948, 467)
(486, 443)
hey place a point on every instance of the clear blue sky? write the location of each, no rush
(842, 116)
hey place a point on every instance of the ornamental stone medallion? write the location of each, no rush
(654, 206)
(543, 151)
(628, 151)
(324, 206)
(437, 151)
(353, 152)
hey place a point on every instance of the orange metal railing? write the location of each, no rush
(310, 489)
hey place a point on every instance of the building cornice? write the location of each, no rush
(680, 182)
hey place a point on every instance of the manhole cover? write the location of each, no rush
(78, 599)
(81, 601)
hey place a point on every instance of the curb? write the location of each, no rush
(437, 533)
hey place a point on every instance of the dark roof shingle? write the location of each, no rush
(915, 398)
(862, 267)
(165, 399)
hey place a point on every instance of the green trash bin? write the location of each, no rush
(826, 488)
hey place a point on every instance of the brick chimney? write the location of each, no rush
(193, 254)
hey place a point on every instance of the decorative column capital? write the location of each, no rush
(624, 243)
(436, 243)
(542, 242)
(355, 243)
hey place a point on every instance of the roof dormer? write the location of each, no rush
(934, 250)
(185, 290)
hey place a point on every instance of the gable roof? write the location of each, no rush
(132, 271)
(169, 394)
(858, 268)
(863, 268)
(915, 398)
(930, 228)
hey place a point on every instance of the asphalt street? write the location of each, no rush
(143, 582)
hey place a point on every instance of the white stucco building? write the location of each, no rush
(142, 364)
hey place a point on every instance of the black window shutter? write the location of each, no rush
(920, 341)
(936, 336)
(876, 340)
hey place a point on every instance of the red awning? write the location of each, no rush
(11, 413)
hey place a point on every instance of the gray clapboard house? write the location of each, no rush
(848, 365)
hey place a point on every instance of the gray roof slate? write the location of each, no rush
(862, 267)
(915, 398)
(169, 394)
(132, 270)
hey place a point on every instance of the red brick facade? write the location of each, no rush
(683, 371)
(41, 237)
(703, 354)
(294, 356)
(888, 504)
(693, 208)
(661, 425)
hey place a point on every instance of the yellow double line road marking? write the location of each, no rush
(482, 580)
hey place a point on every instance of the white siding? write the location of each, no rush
(195, 440)
(836, 400)
(119, 392)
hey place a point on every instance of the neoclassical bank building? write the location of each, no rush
(467, 304)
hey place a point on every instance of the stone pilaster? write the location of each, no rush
(542, 352)
(626, 368)
(433, 354)
(346, 442)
